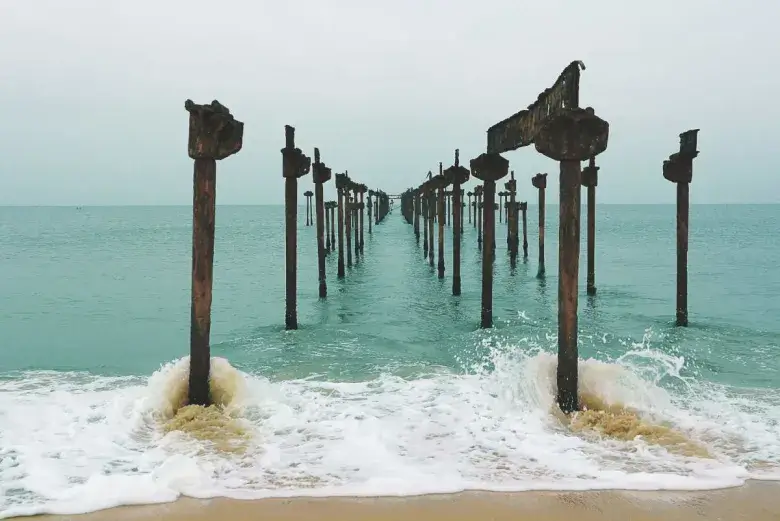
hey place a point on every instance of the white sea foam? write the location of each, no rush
(73, 443)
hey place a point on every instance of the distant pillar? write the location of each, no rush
(294, 165)
(679, 170)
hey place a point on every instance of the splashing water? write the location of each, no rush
(73, 442)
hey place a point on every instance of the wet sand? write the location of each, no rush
(756, 501)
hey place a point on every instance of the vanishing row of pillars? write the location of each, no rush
(570, 136)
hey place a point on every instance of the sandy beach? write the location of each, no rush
(756, 501)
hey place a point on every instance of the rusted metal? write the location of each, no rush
(489, 168)
(333, 207)
(441, 185)
(342, 182)
(511, 187)
(478, 213)
(349, 212)
(425, 216)
(570, 136)
(370, 211)
(539, 181)
(522, 128)
(431, 217)
(294, 165)
(524, 210)
(456, 175)
(590, 179)
(417, 210)
(679, 170)
(363, 189)
(214, 134)
(321, 174)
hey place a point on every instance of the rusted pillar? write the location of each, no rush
(363, 189)
(456, 175)
(448, 196)
(294, 165)
(489, 168)
(425, 216)
(321, 174)
(570, 136)
(417, 215)
(539, 181)
(590, 180)
(441, 185)
(462, 206)
(524, 210)
(478, 214)
(469, 196)
(511, 187)
(369, 209)
(679, 170)
(214, 134)
(309, 214)
(356, 221)
(431, 216)
(341, 188)
(348, 217)
(326, 206)
(333, 206)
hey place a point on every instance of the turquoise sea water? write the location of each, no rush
(388, 387)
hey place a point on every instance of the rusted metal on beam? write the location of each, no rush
(520, 129)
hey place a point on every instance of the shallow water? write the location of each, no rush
(388, 387)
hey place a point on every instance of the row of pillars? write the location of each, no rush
(570, 137)
(214, 134)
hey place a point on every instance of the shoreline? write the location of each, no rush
(754, 501)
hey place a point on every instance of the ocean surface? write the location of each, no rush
(388, 387)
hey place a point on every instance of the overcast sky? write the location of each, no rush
(93, 92)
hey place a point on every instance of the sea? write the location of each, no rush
(389, 387)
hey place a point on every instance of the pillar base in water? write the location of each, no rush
(591, 290)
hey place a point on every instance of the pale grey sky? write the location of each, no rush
(93, 91)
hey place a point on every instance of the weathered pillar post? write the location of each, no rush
(363, 189)
(441, 186)
(342, 182)
(469, 196)
(326, 206)
(369, 209)
(590, 179)
(425, 216)
(477, 213)
(348, 216)
(524, 210)
(333, 206)
(511, 187)
(309, 213)
(679, 170)
(294, 165)
(417, 215)
(570, 136)
(489, 168)
(431, 215)
(356, 221)
(320, 174)
(500, 205)
(462, 206)
(456, 175)
(539, 181)
(448, 195)
(214, 134)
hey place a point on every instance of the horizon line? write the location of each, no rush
(143, 205)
